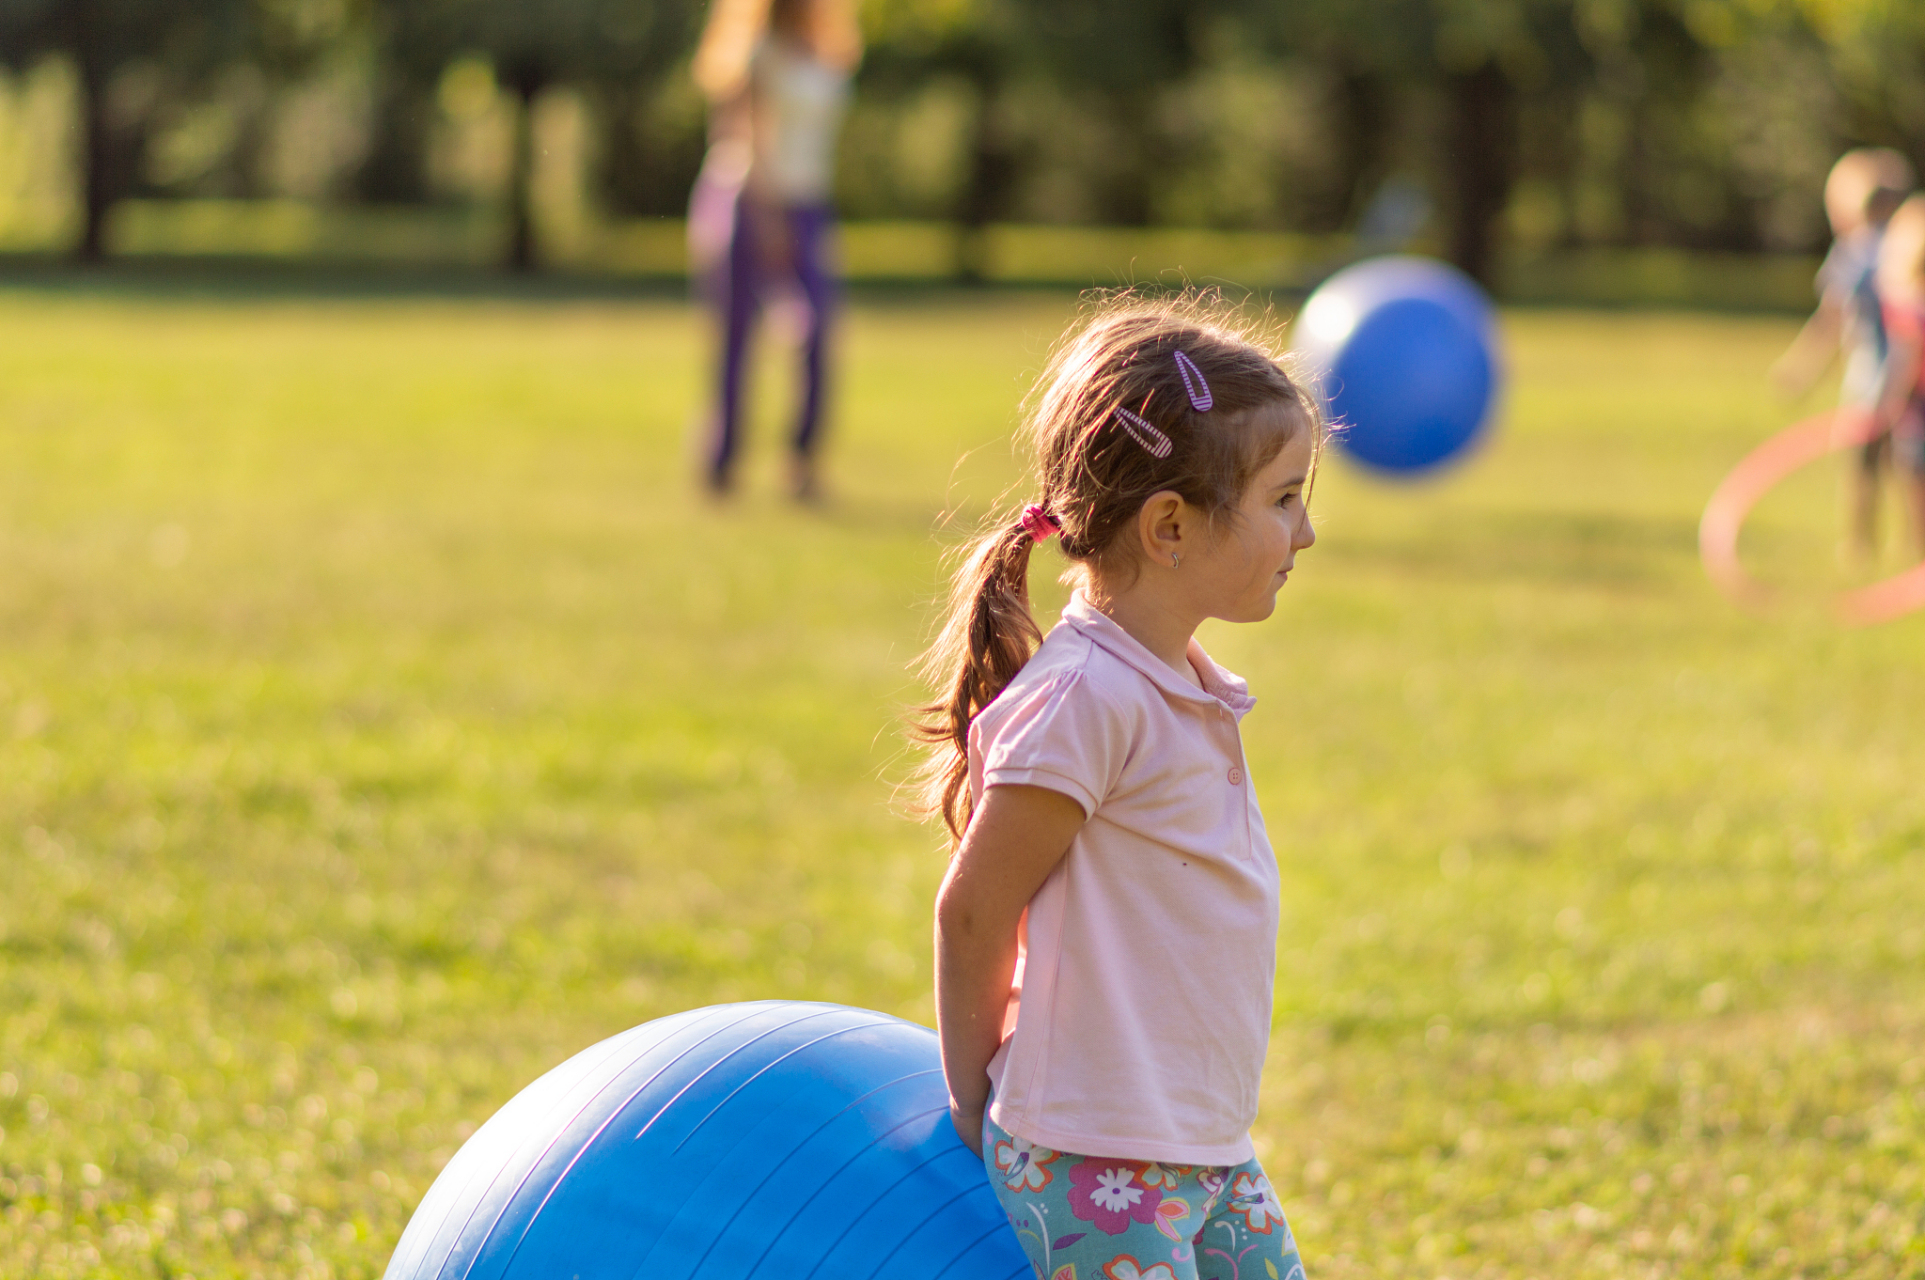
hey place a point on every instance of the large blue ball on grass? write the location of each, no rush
(737, 1142)
(1404, 350)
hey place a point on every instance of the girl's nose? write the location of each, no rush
(1307, 536)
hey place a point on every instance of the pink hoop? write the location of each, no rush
(1762, 470)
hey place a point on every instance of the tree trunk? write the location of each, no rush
(1362, 129)
(395, 169)
(625, 160)
(252, 100)
(992, 174)
(96, 163)
(1127, 192)
(1644, 221)
(1570, 184)
(522, 256)
(1481, 163)
(1562, 152)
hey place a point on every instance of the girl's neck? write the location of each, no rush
(1153, 621)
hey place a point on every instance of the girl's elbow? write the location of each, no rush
(954, 918)
(959, 919)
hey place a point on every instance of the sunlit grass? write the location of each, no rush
(382, 720)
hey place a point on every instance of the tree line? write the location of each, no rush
(1696, 123)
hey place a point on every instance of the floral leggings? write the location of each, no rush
(1094, 1218)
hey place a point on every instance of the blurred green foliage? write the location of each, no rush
(1535, 123)
(383, 719)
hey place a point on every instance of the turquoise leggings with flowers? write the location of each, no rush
(1094, 1218)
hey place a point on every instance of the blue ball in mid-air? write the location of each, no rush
(1405, 353)
(736, 1142)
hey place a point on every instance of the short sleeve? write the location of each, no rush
(1063, 735)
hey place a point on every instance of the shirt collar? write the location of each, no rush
(1218, 685)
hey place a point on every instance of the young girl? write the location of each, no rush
(776, 73)
(1106, 934)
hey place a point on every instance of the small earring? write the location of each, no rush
(1175, 563)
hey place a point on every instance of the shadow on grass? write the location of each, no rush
(251, 278)
(1594, 548)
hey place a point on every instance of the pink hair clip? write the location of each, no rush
(1144, 432)
(1039, 524)
(1193, 384)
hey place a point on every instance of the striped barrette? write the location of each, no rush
(1144, 432)
(1193, 384)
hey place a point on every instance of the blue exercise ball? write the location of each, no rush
(771, 1139)
(1404, 350)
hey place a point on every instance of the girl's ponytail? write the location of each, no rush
(988, 633)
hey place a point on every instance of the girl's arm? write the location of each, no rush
(729, 119)
(1015, 839)
(1810, 353)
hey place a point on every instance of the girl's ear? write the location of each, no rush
(1159, 527)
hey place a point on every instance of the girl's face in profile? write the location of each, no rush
(1237, 575)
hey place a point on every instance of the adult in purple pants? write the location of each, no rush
(776, 73)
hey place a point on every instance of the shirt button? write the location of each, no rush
(1236, 776)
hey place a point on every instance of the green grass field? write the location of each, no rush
(382, 720)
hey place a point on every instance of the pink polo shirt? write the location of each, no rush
(1143, 1009)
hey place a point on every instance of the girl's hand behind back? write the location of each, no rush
(969, 1127)
(1015, 839)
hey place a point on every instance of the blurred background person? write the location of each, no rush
(776, 75)
(1901, 290)
(1862, 190)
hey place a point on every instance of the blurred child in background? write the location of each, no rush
(776, 74)
(1901, 409)
(1863, 189)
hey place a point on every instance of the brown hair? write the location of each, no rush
(1866, 184)
(721, 67)
(1096, 470)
